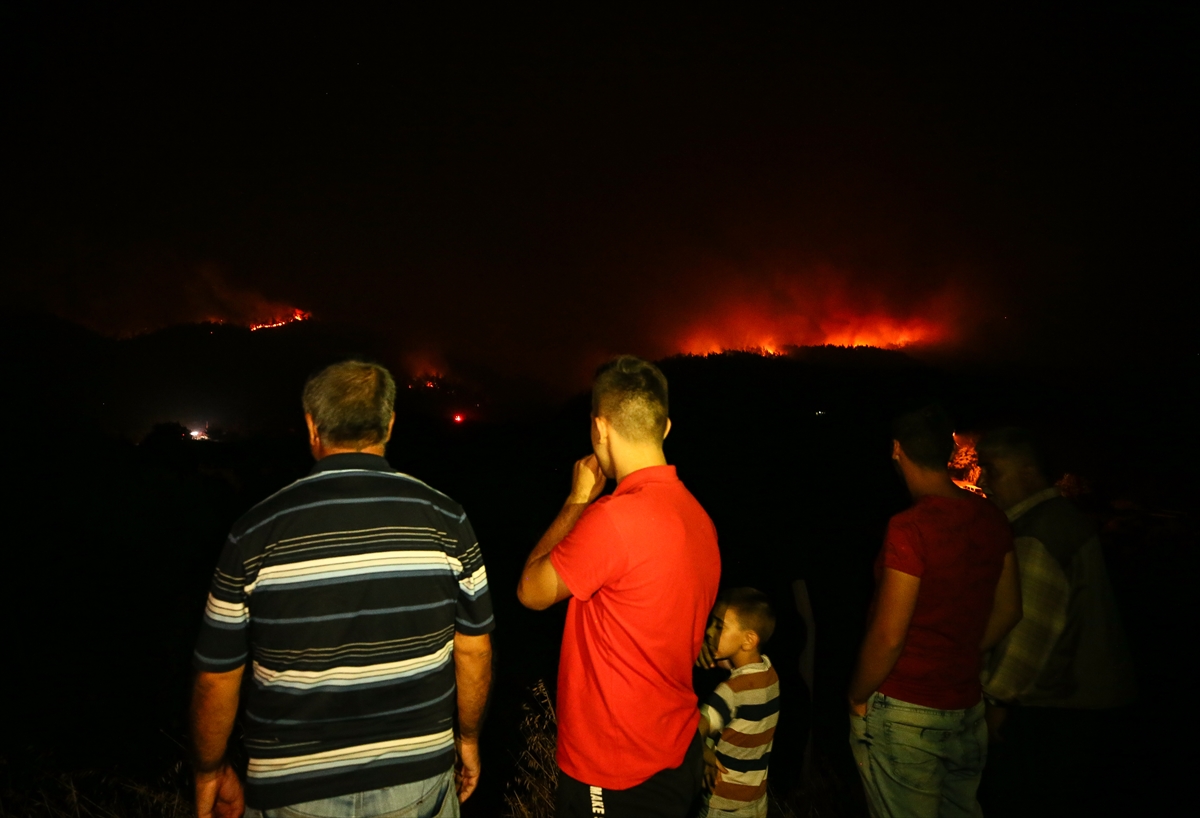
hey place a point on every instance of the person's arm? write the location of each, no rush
(540, 585)
(473, 676)
(218, 790)
(1006, 607)
(707, 730)
(710, 757)
(892, 612)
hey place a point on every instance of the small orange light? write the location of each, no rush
(458, 418)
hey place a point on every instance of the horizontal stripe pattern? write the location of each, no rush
(352, 567)
(742, 714)
(351, 675)
(226, 613)
(324, 762)
(344, 591)
(368, 715)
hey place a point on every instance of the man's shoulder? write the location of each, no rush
(339, 486)
(653, 496)
(1058, 524)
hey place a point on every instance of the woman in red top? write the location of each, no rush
(947, 589)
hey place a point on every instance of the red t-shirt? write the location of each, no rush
(957, 547)
(643, 568)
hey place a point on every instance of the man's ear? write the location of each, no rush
(314, 438)
(601, 425)
(749, 640)
(391, 423)
(667, 430)
(896, 450)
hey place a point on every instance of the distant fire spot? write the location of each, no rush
(297, 315)
(458, 418)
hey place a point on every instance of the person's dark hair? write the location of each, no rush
(753, 610)
(926, 435)
(1015, 442)
(632, 395)
(351, 403)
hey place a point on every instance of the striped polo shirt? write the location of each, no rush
(343, 592)
(743, 710)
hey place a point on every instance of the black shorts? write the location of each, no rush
(666, 794)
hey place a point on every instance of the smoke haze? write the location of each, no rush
(523, 196)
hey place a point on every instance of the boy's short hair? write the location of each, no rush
(753, 610)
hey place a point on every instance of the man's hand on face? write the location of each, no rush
(219, 794)
(588, 481)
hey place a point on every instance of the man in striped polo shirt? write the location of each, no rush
(739, 717)
(358, 599)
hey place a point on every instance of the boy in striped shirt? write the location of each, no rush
(738, 719)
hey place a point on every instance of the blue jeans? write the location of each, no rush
(432, 798)
(918, 762)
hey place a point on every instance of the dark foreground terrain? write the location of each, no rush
(111, 544)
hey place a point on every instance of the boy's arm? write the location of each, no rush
(710, 757)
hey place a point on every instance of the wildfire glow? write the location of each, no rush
(297, 315)
(823, 308)
(753, 333)
(964, 464)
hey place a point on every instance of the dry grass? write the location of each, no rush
(531, 792)
(95, 795)
(825, 795)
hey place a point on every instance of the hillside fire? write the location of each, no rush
(297, 315)
(824, 310)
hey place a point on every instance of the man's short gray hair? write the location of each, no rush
(351, 403)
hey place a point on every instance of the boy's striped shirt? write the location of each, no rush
(742, 713)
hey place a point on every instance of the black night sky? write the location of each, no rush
(500, 199)
(525, 192)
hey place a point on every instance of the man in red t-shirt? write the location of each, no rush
(641, 567)
(946, 590)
